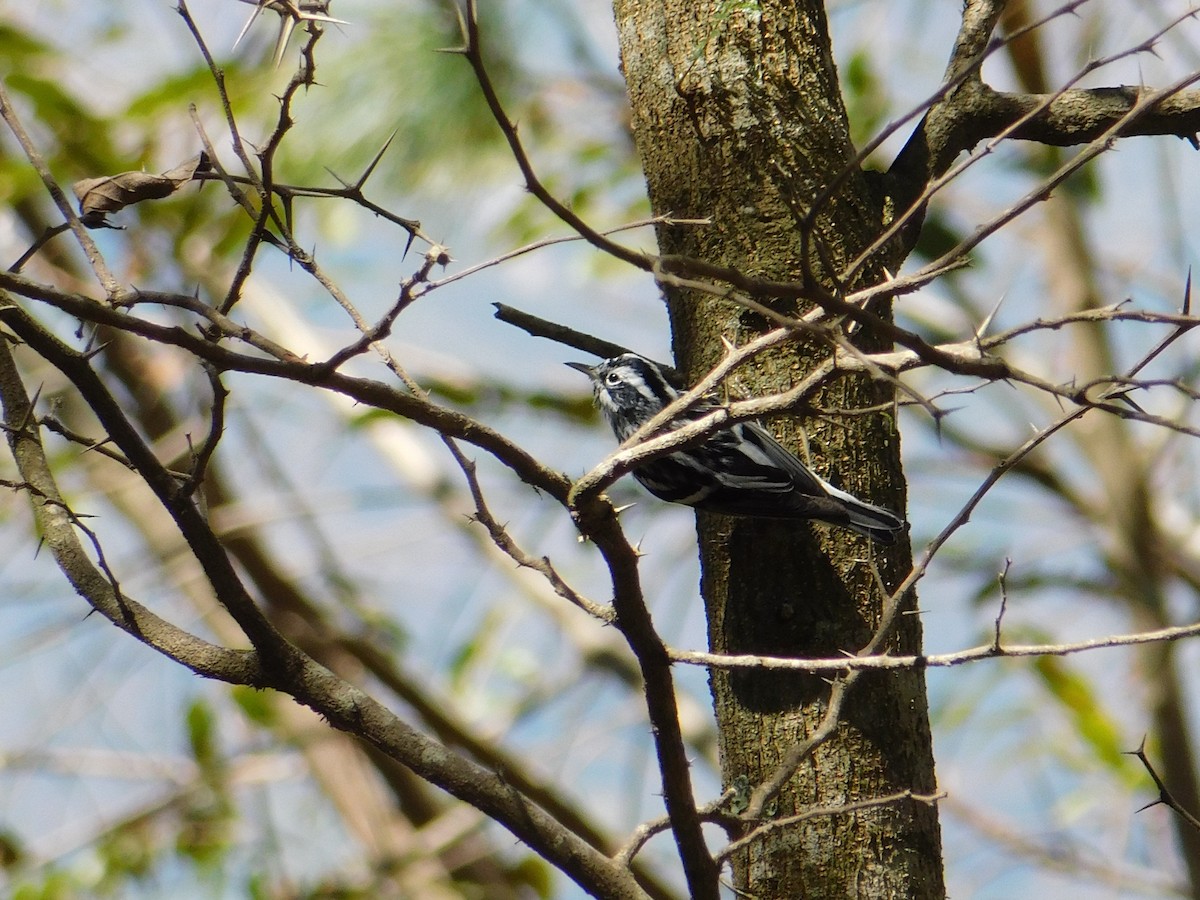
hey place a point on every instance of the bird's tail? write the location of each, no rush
(875, 522)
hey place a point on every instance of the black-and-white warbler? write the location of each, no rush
(739, 471)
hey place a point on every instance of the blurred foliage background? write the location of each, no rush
(121, 775)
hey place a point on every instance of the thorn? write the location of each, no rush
(286, 26)
(339, 179)
(319, 17)
(987, 320)
(375, 161)
(1141, 748)
(258, 7)
(1187, 292)
(95, 445)
(29, 413)
(1124, 397)
(95, 351)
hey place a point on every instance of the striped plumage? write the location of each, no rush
(739, 471)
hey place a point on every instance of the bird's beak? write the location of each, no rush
(587, 370)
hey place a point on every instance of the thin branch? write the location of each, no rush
(216, 430)
(472, 51)
(1165, 797)
(410, 291)
(1003, 579)
(710, 812)
(502, 539)
(99, 588)
(46, 236)
(588, 343)
(103, 274)
(363, 390)
(934, 660)
(550, 242)
(765, 829)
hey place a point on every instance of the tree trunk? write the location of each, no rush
(738, 117)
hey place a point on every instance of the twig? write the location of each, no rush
(502, 539)
(410, 291)
(100, 588)
(710, 812)
(1003, 579)
(550, 242)
(934, 660)
(765, 829)
(544, 328)
(216, 430)
(103, 274)
(46, 236)
(1164, 795)
(472, 51)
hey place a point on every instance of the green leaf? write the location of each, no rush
(201, 729)
(1092, 722)
(55, 885)
(536, 874)
(866, 97)
(256, 705)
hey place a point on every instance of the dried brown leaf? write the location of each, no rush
(100, 196)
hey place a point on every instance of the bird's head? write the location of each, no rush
(629, 390)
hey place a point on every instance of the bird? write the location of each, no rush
(737, 471)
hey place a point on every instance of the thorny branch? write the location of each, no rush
(103, 274)
(1165, 796)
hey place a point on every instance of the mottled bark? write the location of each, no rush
(738, 116)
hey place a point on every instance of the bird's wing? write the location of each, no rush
(759, 461)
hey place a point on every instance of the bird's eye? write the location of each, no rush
(612, 378)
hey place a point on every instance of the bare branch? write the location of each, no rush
(766, 828)
(539, 327)
(1165, 797)
(502, 539)
(934, 660)
(363, 390)
(57, 525)
(973, 111)
(103, 274)
(472, 51)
